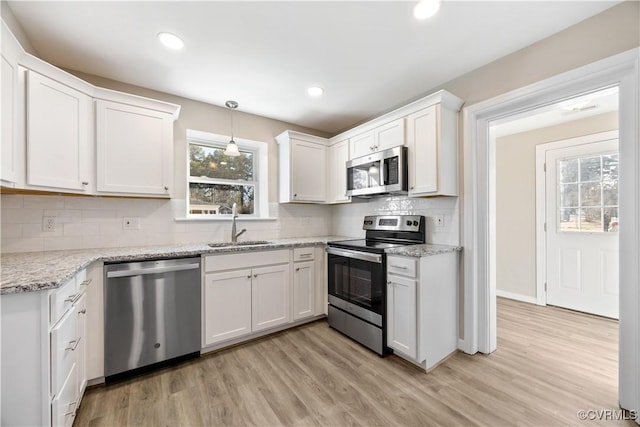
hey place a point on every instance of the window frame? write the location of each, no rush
(260, 175)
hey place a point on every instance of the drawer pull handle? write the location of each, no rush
(72, 298)
(73, 345)
(85, 182)
(72, 412)
(305, 255)
(86, 282)
(398, 266)
(83, 311)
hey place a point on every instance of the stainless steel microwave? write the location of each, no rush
(384, 172)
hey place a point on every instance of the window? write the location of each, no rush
(216, 181)
(588, 192)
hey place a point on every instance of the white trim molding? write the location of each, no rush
(516, 297)
(478, 207)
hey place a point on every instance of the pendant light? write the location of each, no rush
(232, 147)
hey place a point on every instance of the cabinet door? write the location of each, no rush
(422, 142)
(303, 289)
(81, 349)
(308, 171)
(58, 134)
(362, 144)
(227, 306)
(389, 135)
(401, 315)
(338, 157)
(10, 91)
(134, 149)
(270, 296)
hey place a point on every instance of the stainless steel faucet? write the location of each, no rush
(234, 215)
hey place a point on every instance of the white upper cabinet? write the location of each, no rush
(337, 176)
(380, 138)
(433, 155)
(134, 149)
(302, 168)
(59, 135)
(10, 96)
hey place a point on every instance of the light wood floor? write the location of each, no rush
(550, 363)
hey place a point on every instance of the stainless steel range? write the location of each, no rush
(357, 271)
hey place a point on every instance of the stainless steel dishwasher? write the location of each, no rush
(152, 314)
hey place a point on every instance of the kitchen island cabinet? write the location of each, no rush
(422, 314)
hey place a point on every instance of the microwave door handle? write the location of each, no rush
(383, 165)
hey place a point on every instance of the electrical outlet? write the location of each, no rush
(48, 223)
(130, 223)
(439, 220)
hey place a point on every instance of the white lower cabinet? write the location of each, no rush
(270, 297)
(422, 307)
(227, 305)
(248, 294)
(245, 292)
(303, 289)
(44, 374)
(402, 323)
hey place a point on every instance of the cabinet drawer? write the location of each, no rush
(236, 260)
(304, 254)
(62, 299)
(64, 342)
(404, 266)
(64, 405)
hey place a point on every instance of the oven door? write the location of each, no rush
(356, 278)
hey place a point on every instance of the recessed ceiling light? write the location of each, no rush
(171, 41)
(426, 9)
(315, 91)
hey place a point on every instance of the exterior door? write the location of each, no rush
(582, 227)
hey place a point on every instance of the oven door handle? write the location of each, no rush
(364, 256)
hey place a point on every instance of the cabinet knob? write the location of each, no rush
(83, 311)
(85, 182)
(249, 277)
(295, 195)
(298, 269)
(255, 275)
(411, 188)
(166, 188)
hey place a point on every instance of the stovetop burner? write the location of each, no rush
(387, 231)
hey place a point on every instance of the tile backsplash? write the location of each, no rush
(97, 222)
(347, 218)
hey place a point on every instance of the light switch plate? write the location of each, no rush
(439, 220)
(48, 223)
(130, 223)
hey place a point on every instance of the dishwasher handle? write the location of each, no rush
(152, 270)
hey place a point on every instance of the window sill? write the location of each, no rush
(227, 219)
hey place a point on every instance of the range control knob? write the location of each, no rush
(409, 223)
(415, 223)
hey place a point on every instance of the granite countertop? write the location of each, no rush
(419, 251)
(35, 271)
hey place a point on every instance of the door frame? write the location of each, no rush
(478, 204)
(541, 202)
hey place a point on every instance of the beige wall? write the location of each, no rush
(613, 31)
(9, 18)
(516, 197)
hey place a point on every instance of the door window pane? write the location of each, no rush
(569, 170)
(590, 169)
(588, 194)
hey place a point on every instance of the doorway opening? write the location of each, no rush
(556, 208)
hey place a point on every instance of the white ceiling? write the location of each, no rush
(369, 56)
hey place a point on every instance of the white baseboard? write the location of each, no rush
(517, 297)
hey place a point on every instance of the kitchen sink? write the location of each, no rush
(245, 243)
